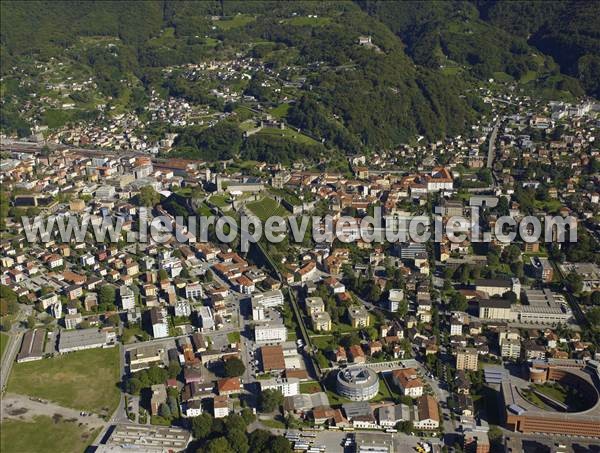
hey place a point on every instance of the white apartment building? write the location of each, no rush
(182, 308)
(269, 298)
(321, 321)
(395, 297)
(193, 409)
(194, 291)
(158, 319)
(270, 333)
(455, 327)
(56, 310)
(127, 297)
(288, 387)
(87, 260)
(498, 286)
(48, 300)
(73, 320)
(510, 348)
(206, 318)
(314, 305)
(220, 406)
(258, 311)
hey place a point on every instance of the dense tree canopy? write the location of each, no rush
(234, 367)
(270, 400)
(358, 96)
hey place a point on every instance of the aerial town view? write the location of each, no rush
(300, 226)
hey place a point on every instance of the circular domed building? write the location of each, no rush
(357, 383)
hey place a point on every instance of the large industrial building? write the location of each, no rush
(523, 416)
(78, 340)
(32, 347)
(542, 307)
(147, 439)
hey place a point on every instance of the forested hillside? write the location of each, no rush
(492, 36)
(417, 76)
(568, 31)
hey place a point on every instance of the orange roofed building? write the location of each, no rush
(408, 382)
(228, 386)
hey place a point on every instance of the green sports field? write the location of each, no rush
(85, 380)
(45, 434)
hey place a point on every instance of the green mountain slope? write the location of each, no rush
(568, 31)
(416, 77)
(491, 36)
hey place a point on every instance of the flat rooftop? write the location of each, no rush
(374, 442)
(69, 339)
(144, 438)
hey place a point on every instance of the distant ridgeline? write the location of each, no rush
(375, 74)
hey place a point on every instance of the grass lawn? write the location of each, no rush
(184, 191)
(287, 195)
(502, 77)
(3, 343)
(236, 21)
(383, 394)
(292, 336)
(219, 200)
(322, 342)
(166, 38)
(210, 42)
(120, 104)
(267, 207)
(344, 328)
(556, 392)
(310, 387)
(534, 399)
(451, 70)
(85, 380)
(247, 125)
(130, 334)
(288, 133)
(273, 424)
(335, 399)
(233, 337)
(321, 359)
(551, 205)
(305, 20)
(159, 421)
(55, 118)
(280, 111)
(204, 210)
(44, 434)
(528, 76)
